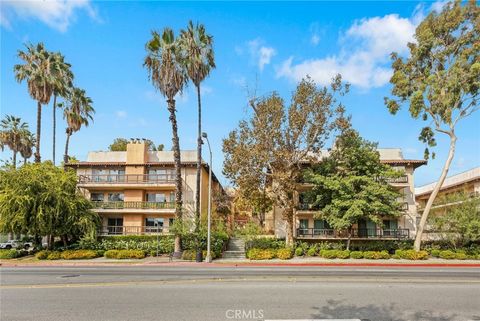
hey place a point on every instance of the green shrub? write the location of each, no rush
(54, 255)
(411, 255)
(447, 255)
(435, 253)
(264, 243)
(284, 254)
(376, 255)
(189, 255)
(78, 254)
(10, 254)
(356, 255)
(299, 251)
(131, 254)
(343, 254)
(42, 255)
(261, 254)
(312, 251)
(460, 256)
(384, 245)
(147, 243)
(329, 254)
(111, 254)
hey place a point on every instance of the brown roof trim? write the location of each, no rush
(415, 162)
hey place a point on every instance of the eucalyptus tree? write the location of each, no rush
(12, 131)
(199, 61)
(164, 63)
(63, 83)
(37, 70)
(77, 111)
(440, 80)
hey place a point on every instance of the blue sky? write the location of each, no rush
(260, 47)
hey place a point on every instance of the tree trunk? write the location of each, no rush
(14, 159)
(178, 172)
(24, 161)
(431, 199)
(65, 239)
(349, 238)
(39, 129)
(65, 155)
(54, 126)
(288, 214)
(199, 162)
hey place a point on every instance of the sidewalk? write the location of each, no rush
(299, 262)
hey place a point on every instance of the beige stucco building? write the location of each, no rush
(308, 227)
(467, 182)
(134, 191)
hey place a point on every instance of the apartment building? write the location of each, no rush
(467, 182)
(134, 191)
(308, 227)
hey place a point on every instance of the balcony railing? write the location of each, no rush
(402, 179)
(132, 230)
(355, 233)
(127, 179)
(133, 205)
(305, 207)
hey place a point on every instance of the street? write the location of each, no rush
(239, 293)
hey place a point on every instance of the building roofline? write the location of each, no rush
(450, 182)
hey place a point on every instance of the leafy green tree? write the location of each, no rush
(352, 184)
(278, 138)
(199, 61)
(78, 112)
(457, 219)
(42, 200)
(120, 145)
(440, 80)
(164, 62)
(62, 85)
(12, 134)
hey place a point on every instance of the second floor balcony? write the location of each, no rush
(127, 179)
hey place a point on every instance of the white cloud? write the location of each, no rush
(315, 32)
(363, 59)
(57, 14)
(121, 114)
(261, 54)
(315, 39)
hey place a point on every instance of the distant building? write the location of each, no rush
(467, 183)
(308, 227)
(134, 191)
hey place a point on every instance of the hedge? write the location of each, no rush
(11, 254)
(146, 243)
(335, 254)
(411, 255)
(261, 254)
(356, 255)
(79, 254)
(376, 255)
(284, 254)
(124, 254)
(265, 243)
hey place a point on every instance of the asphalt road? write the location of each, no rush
(242, 293)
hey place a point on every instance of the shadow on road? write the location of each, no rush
(372, 312)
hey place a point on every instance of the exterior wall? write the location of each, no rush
(138, 160)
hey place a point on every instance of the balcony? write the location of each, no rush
(306, 207)
(133, 205)
(398, 180)
(127, 179)
(313, 233)
(132, 230)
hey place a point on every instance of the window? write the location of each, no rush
(153, 224)
(156, 197)
(115, 226)
(303, 230)
(97, 197)
(170, 221)
(115, 197)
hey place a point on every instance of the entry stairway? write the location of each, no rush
(235, 249)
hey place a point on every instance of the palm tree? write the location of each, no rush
(26, 148)
(37, 71)
(12, 131)
(78, 111)
(199, 61)
(164, 63)
(63, 83)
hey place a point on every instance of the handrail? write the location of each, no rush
(399, 233)
(132, 230)
(130, 204)
(127, 179)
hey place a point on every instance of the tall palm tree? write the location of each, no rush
(11, 133)
(63, 83)
(26, 148)
(199, 61)
(78, 112)
(37, 71)
(164, 63)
